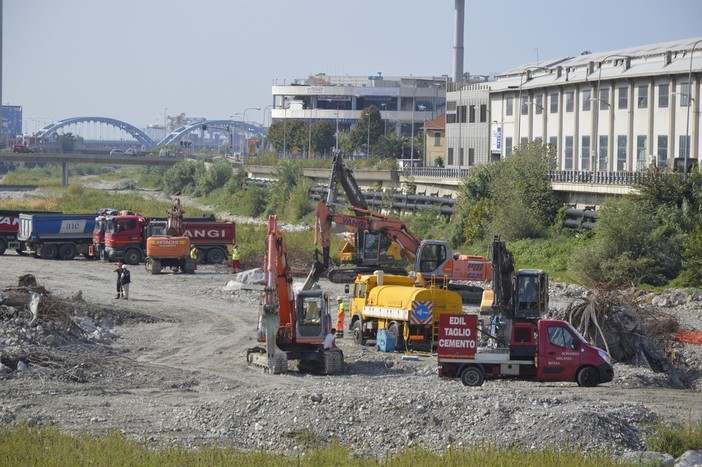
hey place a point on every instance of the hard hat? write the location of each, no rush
(124, 266)
(339, 299)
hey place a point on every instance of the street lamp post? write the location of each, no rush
(368, 143)
(164, 121)
(690, 100)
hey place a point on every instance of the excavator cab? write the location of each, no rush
(312, 321)
(531, 294)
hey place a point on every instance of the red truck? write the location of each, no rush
(543, 350)
(9, 227)
(125, 237)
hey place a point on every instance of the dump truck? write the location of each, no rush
(57, 236)
(9, 228)
(126, 237)
(406, 313)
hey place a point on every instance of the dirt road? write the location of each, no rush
(176, 373)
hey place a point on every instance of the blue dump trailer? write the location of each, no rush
(57, 236)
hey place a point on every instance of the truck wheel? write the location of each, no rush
(394, 329)
(67, 251)
(49, 251)
(472, 376)
(588, 377)
(3, 246)
(132, 257)
(215, 256)
(357, 331)
(153, 265)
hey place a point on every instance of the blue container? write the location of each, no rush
(386, 341)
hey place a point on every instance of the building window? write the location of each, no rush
(450, 157)
(462, 114)
(641, 152)
(539, 104)
(663, 95)
(623, 101)
(483, 113)
(471, 156)
(523, 140)
(587, 99)
(553, 101)
(643, 96)
(569, 101)
(585, 153)
(525, 105)
(437, 138)
(471, 114)
(450, 118)
(685, 94)
(568, 153)
(621, 153)
(662, 159)
(508, 146)
(684, 147)
(461, 162)
(509, 106)
(604, 98)
(602, 159)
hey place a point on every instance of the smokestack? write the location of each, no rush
(458, 41)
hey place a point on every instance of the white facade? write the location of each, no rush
(405, 103)
(621, 110)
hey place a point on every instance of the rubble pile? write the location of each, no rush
(46, 337)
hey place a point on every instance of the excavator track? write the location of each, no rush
(345, 275)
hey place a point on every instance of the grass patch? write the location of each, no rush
(23, 445)
(675, 440)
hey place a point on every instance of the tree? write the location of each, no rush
(323, 139)
(391, 146)
(68, 141)
(216, 176)
(182, 177)
(523, 204)
(370, 116)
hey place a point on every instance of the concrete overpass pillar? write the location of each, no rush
(64, 173)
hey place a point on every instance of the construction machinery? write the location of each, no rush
(292, 325)
(407, 313)
(519, 343)
(432, 258)
(166, 246)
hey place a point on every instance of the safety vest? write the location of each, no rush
(193, 254)
(235, 254)
(342, 308)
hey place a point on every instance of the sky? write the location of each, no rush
(134, 60)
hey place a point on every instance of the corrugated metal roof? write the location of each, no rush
(647, 60)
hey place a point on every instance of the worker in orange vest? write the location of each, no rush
(340, 315)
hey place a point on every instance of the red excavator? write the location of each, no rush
(432, 258)
(293, 325)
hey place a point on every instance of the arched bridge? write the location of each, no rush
(230, 126)
(223, 125)
(52, 129)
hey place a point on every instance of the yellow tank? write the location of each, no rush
(168, 247)
(381, 301)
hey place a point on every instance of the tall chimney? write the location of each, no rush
(458, 41)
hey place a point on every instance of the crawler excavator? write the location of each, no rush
(432, 258)
(293, 326)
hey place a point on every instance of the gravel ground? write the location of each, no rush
(168, 366)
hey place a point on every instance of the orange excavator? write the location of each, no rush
(166, 246)
(432, 258)
(293, 325)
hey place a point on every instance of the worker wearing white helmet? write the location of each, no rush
(340, 315)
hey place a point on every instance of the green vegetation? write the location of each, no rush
(650, 238)
(23, 445)
(676, 440)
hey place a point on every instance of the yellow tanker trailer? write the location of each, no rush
(392, 307)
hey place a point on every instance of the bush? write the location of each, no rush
(676, 440)
(254, 201)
